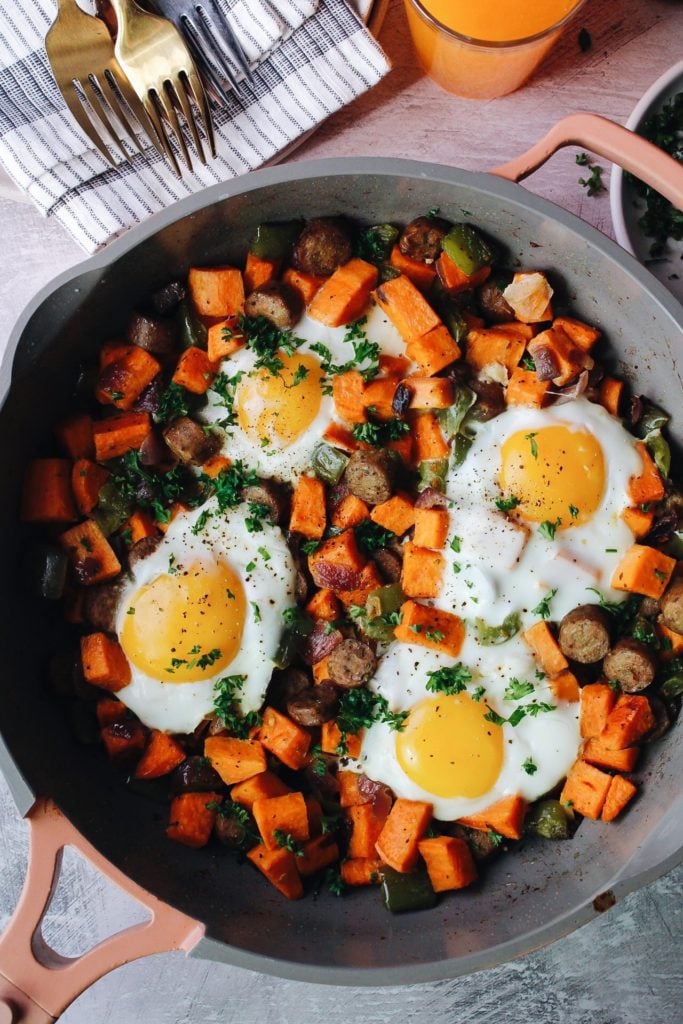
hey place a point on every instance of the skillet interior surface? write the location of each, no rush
(536, 893)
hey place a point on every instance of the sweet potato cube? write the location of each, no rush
(585, 789)
(223, 338)
(235, 759)
(597, 700)
(369, 579)
(348, 390)
(431, 527)
(86, 480)
(399, 839)
(119, 434)
(191, 818)
(162, 754)
(367, 821)
(124, 741)
(565, 686)
(258, 271)
(75, 436)
(332, 741)
(397, 514)
(644, 570)
(421, 274)
(104, 663)
(430, 627)
(47, 495)
(647, 486)
(428, 440)
(280, 816)
(279, 867)
(91, 555)
(318, 853)
(122, 381)
(422, 571)
(545, 648)
(363, 871)
(619, 794)
(337, 563)
(581, 334)
(434, 350)
(456, 280)
(259, 787)
(429, 392)
(308, 516)
(556, 356)
(638, 521)
(524, 388)
(350, 794)
(618, 760)
(349, 512)
(406, 307)
(505, 816)
(216, 291)
(305, 284)
(611, 393)
(345, 295)
(630, 719)
(194, 371)
(378, 397)
(449, 861)
(284, 738)
(141, 524)
(323, 606)
(495, 345)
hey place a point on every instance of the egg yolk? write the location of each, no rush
(186, 627)
(449, 749)
(555, 473)
(279, 408)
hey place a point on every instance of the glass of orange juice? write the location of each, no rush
(485, 49)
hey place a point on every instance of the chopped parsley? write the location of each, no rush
(489, 636)
(130, 611)
(661, 220)
(266, 341)
(202, 661)
(573, 511)
(495, 838)
(593, 184)
(202, 520)
(226, 388)
(265, 554)
(254, 521)
(334, 882)
(229, 483)
(286, 841)
(543, 606)
(478, 693)
(318, 763)
(173, 404)
(226, 693)
(310, 546)
(517, 689)
(449, 680)
(380, 434)
(365, 355)
(435, 635)
(532, 709)
(507, 504)
(455, 545)
(531, 438)
(529, 767)
(256, 610)
(527, 362)
(371, 536)
(547, 529)
(359, 709)
(156, 491)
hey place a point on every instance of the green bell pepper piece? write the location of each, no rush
(468, 249)
(274, 240)
(490, 636)
(329, 463)
(549, 820)
(191, 331)
(44, 571)
(405, 892)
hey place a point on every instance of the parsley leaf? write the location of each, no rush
(531, 438)
(529, 767)
(371, 536)
(225, 388)
(202, 520)
(286, 841)
(360, 708)
(267, 340)
(254, 521)
(449, 680)
(594, 184)
(229, 483)
(507, 504)
(517, 689)
(226, 693)
(547, 529)
(379, 434)
(543, 606)
(172, 404)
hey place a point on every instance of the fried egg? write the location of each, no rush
(281, 417)
(563, 474)
(206, 604)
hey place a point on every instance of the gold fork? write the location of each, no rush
(158, 64)
(86, 71)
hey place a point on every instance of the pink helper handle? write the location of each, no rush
(609, 140)
(37, 984)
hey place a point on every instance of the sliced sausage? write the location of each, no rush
(671, 603)
(271, 494)
(189, 443)
(351, 664)
(649, 608)
(322, 246)
(632, 663)
(483, 845)
(371, 476)
(490, 399)
(142, 549)
(431, 498)
(662, 720)
(389, 564)
(422, 239)
(320, 642)
(233, 832)
(584, 634)
(278, 302)
(165, 300)
(314, 706)
(150, 399)
(287, 684)
(195, 775)
(151, 333)
(493, 303)
(154, 451)
(101, 605)
(400, 403)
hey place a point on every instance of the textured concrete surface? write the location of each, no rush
(626, 966)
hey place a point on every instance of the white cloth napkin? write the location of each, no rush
(315, 56)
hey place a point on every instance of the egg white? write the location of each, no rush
(269, 585)
(504, 566)
(287, 463)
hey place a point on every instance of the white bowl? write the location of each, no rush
(626, 207)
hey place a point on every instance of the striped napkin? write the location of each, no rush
(312, 57)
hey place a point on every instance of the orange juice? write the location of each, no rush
(484, 50)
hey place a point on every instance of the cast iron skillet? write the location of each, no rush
(200, 900)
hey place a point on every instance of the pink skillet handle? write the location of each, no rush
(609, 140)
(37, 984)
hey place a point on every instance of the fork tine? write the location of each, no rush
(206, 40)
(209, 9)
(99, 108)
(150, 107)
(198, 46)
(79, 114)
(169, 111)
(194, 85)
(114, 102)
(134, 103)
(178, 91)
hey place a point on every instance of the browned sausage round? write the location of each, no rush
(278, 302)
(166, 299)
(151, 333)
(271, 494)
(490, 399)
(142, 548)
(493, 303)
(287, 684)
(101, 605)
(422, 238)
(671, 603)
(195, 775)
(189, 443)
(584, 634)
(351, 664)
(235, 832)
(320, 642)
(322, 246)
(662, 720)
(632, 663)
(371, 476)
(649, 608)
(314, 706)
(389, 564)
(482, 845)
